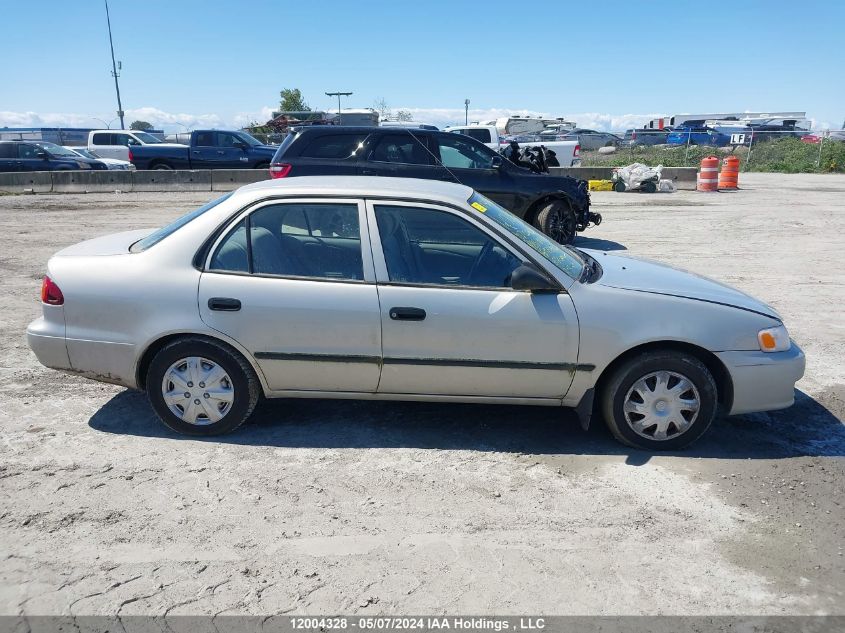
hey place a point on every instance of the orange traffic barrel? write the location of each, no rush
(729, 176)
(708, 174)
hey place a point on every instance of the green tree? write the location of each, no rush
(292, 101)
(140, 125)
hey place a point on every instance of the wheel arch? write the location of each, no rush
(724, 382)
(156, 345)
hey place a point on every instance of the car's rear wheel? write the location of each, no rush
(162, 167)
(557, 220)
(198, 387)
(662, 400)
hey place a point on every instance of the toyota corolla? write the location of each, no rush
(403, 289)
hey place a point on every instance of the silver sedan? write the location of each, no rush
(403, 289)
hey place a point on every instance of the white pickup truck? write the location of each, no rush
(568, 153)
(119, 143)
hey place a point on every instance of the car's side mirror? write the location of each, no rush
(496, 162)
(41, 154)
(527, 277)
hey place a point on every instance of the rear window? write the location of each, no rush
(336, 146)
(157, 236)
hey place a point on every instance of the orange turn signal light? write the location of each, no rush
(767, 341)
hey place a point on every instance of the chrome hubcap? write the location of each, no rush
(661, 405)
(197, 390)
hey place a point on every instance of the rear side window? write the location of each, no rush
(204, 139)
(103, 139)
(157, 236)
(299, 240)
(7, 150)
(335, 146)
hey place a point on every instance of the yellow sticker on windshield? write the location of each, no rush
(478, 207)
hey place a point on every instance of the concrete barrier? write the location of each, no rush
(683, 177)
(26, 181)
(106, 181)
(164, 180)
(229, 179)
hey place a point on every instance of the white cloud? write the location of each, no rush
(440, 117)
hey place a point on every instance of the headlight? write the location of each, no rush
(774, 339)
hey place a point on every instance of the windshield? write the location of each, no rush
(567, 260)
(248, 139)
(56, 150)
(154, 238)
(147, 139)
(83, 152)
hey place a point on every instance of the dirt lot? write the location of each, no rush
(360, 507)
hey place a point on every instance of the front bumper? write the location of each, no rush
(763, 381)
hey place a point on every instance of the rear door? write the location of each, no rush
(451, 323)
(293, 282)
(203, 149)
(9, 157)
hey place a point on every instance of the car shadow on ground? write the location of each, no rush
(805, 429)
(598, 244)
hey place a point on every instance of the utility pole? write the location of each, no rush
(338, 95)
(466, 111)
(114, 69)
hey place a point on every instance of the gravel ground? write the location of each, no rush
(364, 507)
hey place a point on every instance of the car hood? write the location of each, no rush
(114, 244)
(180, 145)
(642, 275)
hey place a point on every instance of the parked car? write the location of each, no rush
(645, 137)
(42, 156)
(111, 163)
(558, 205)
(697, 136)
(588, 139)
(403, 289)
(204, 149)
(567, 153)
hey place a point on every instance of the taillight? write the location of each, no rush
(50, 292)
(280, 170)
(131, 156)
(633, 136)
(577, 150)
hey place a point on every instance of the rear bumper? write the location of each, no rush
(48, 345)
(763, 381)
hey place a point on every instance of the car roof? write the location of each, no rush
(361, 186)
(351, 129)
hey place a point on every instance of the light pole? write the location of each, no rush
(114, 69)
(108, 125)
(338, 95)
(466, 111)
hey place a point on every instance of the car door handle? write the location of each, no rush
(368, 172)
(196, 151)
(220, 151)
(224, 304)
(407, 314)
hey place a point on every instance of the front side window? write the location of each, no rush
(427, 246)
(224, 139)
(28, 151)
(460, 153)
(149, 139)
(401, 148)
(566, 259)
(334, 146)
(321, 240)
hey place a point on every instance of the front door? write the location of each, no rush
(293, 283)
(451, 323)
(470, 163)
(230, 152)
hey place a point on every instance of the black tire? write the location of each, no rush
(631, 371)
(557, 220)
(619, 186)
(649, 187)
(244, 382)
(162, 167)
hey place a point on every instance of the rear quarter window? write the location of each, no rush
(333, 146)
(155, 237)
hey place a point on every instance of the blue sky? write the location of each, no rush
(608, 64)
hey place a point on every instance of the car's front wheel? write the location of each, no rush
(199, 387)
(661, 400)
(557, 220)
